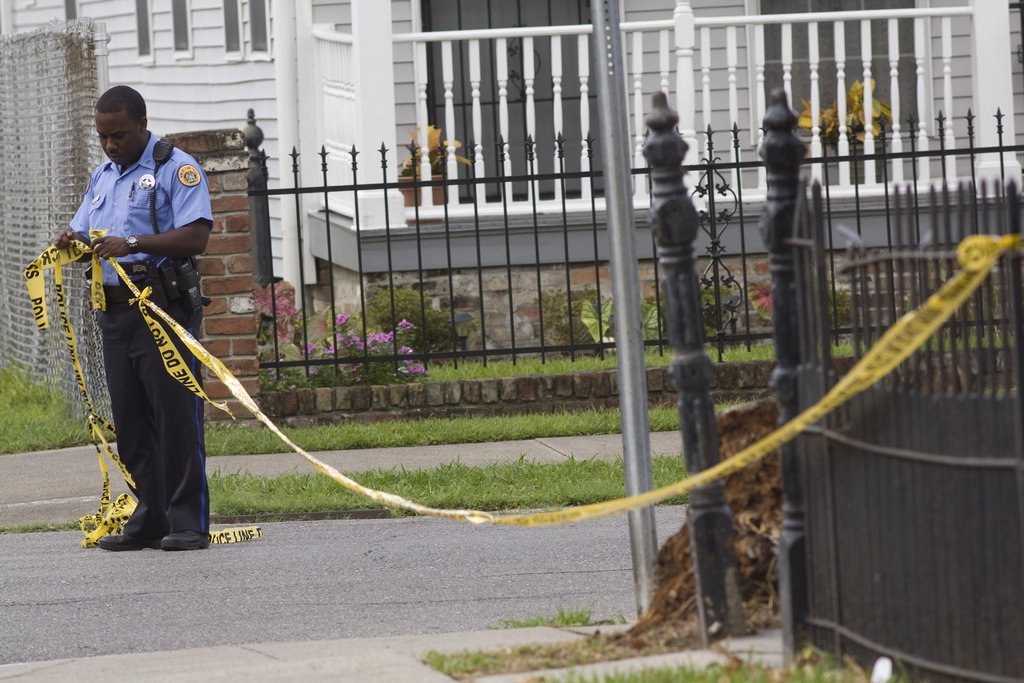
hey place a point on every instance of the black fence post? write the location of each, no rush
(674, 221)
(259, 205)
(782, 152)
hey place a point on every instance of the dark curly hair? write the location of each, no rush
(122, 98)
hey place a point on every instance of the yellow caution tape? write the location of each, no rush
(99, 297)
(976, 254)
(238, 534)
(50, 258)
(110, 518)
(173, 362)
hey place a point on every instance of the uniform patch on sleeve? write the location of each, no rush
(188, 175)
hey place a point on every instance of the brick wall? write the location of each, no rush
(500, 396)
(230, 325)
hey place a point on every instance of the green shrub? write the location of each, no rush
(840, 304)
(726, 291)
(840, 307)
(433, 331)
(556, 317)
(650, 326)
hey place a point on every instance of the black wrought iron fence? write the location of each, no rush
(512, 266)
(900, 487)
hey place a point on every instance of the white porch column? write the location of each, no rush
(686, 39)
(286, 78)
(6, 16)
(374, 76)
(308, 114)
(993, 86)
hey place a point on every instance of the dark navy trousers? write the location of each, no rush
(159, 424)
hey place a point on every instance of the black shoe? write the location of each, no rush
(118, 542)
(185, 540)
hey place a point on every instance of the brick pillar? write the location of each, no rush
(230, 325)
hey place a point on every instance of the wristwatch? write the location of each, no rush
(133, 243)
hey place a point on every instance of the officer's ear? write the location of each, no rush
(143, 123)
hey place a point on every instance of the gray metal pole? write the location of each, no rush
(629, 341)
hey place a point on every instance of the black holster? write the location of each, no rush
(176, 280)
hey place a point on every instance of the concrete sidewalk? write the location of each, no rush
(62, 485)
(368, 660)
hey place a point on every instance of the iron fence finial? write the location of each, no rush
(782, 152)
(675, 223)
(252, 133)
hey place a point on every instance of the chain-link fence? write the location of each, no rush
(48, 86)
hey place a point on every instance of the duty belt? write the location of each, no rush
(117, 295)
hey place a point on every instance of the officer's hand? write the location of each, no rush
(65, 237)
(110, 247)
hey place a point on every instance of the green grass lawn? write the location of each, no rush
(557, 364)
(515, 485)
(33, 417)
(810, 667)
(229, 440)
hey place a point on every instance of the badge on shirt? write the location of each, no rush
(188, 175)
(148, 182)
(96, 200)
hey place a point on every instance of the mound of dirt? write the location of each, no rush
(754, 495)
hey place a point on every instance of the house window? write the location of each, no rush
(258, 25)
(854, 66)
(180, 27)
(71, 9)
(143, 28)
(232, 28)
(444, 15)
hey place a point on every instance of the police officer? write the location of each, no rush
(154, 202)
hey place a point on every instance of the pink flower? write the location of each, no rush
(282, 302)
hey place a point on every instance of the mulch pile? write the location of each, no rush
(754, 495)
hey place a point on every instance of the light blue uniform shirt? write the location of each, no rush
(116, 201)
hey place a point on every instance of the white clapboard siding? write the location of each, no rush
(1018, 76)
(206, 91)
(960, 70)
(405, 79)
(338, 14)
(719, 89)
(28, 17)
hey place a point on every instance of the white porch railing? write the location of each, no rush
(475, 72)
(335, 74)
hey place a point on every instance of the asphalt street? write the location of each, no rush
(307, 581)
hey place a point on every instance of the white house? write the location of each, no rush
(344, 73)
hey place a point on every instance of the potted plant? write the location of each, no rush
(828, 118)
(436, 156)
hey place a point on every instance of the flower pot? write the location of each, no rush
(413, 195)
